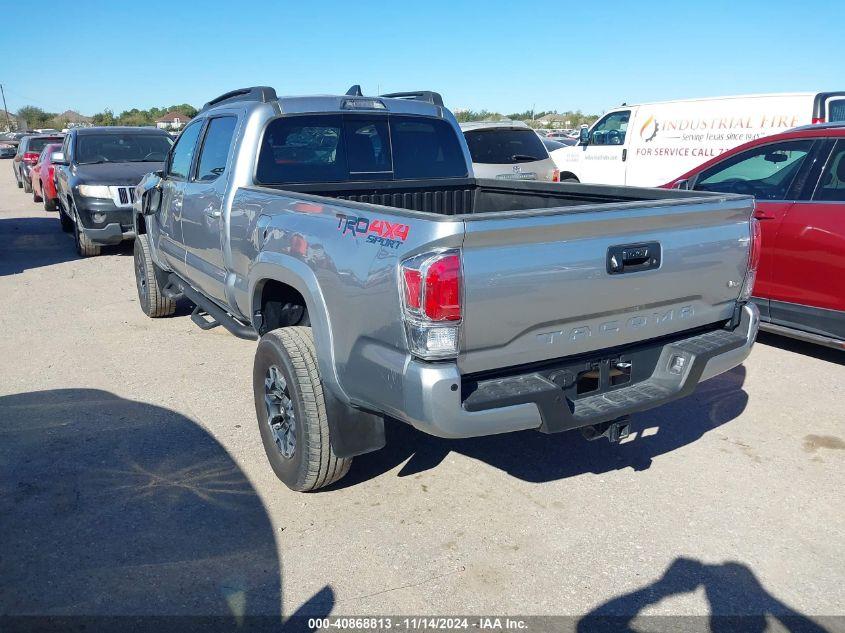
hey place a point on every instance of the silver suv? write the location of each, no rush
(508, 150)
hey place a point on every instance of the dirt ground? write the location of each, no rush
(133, 481)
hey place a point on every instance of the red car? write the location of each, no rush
(41, 175)
(798, 180)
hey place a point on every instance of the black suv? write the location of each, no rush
(96, 178)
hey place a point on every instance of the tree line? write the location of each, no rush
(37, 118)
(141, 117)
(576, 118)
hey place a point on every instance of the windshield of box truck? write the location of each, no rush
(345, 147)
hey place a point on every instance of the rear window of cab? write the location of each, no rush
(358, 147)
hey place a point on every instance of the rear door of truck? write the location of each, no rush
(547, 284)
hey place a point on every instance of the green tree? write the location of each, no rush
(106, 117)
(35, 117)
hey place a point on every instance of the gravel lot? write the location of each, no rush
(132, 481)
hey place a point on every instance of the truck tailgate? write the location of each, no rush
(537, 285)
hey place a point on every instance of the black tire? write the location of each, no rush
(84, 246)
(312, 464)
(152, 301)
(50, 204)
(65, 221)
(18, 180)
(36, 197)
(27, 186)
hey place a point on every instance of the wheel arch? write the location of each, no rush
(285, 278)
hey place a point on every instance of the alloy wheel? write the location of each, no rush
(280, 413)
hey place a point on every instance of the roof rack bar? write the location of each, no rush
(264, 94)
(420, 95)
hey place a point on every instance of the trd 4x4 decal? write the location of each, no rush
(377, 231)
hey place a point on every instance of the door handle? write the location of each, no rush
(762, 215)
(213, 213)
(624, 155)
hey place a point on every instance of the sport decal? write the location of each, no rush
(377, 231)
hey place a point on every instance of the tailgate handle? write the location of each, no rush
(631, 258)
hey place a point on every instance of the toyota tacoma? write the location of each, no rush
(382, 281)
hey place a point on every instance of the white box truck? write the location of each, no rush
(650, 144)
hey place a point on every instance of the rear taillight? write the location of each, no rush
(817, 120)
(754, 249)
(431, 303)
(30, 157)
(556, 175)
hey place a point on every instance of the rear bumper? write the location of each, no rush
(439, 401)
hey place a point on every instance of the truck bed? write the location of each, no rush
(471, 196)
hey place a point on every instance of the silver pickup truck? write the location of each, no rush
(384, 282)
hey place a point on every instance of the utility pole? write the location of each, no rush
(5, 109)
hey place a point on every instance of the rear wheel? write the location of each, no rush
(84, 246)
(49, 204)
(35, 196)
(153, 302)
(27, 185)
(18, 179)
(291, 411)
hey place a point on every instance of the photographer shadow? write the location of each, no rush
(111, 508)
(738, 603)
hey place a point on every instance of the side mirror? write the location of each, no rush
(150, 193)
(58, 158)
(584, 136)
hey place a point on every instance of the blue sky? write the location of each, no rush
(494, 55)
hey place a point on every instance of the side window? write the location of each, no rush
(836, 110)
(182, 154)
(302, 149)
(831, 187)
(215, 148)
(611, 129)
(765, 172)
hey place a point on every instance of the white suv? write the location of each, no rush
(508, 150)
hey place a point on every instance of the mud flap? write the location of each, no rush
(352, 431)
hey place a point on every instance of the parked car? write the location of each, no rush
(29, 148)
(552, 144)
(558, 134)
(9, 143)
(798, 180)
(646, 145)
(385, 282)
(42, 176)
(508, 150)
(96, 176)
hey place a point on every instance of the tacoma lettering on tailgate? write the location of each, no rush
(612, 328)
